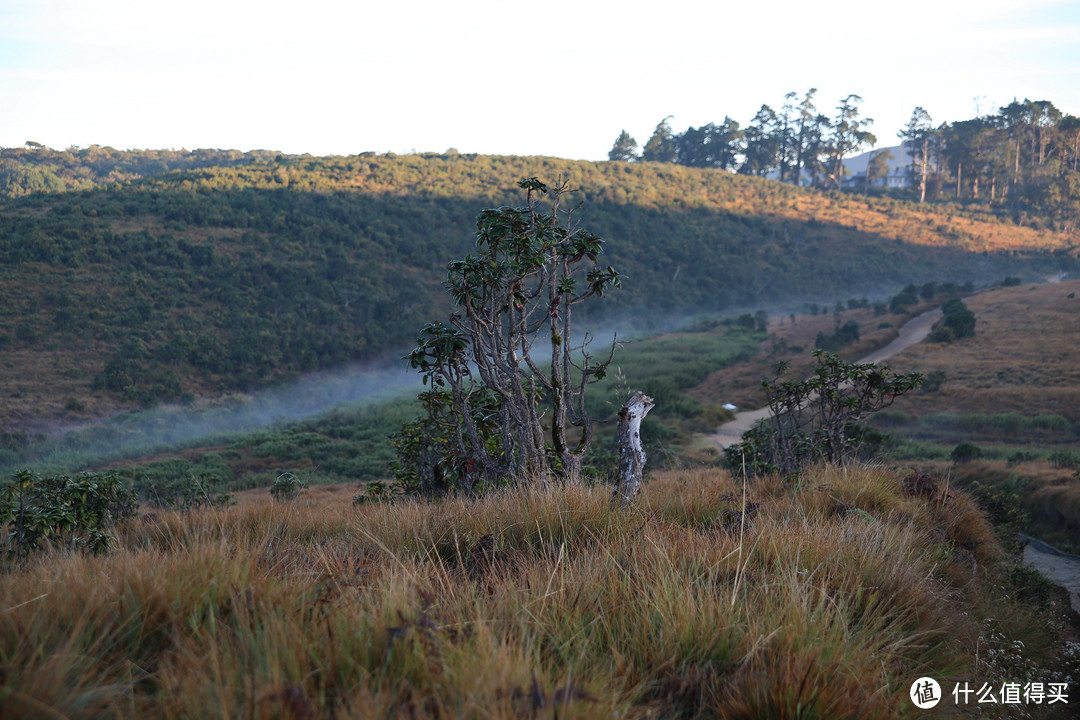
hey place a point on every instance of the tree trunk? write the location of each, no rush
(631, 454)
(922, 175)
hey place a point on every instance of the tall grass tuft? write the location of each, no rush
(709, 599)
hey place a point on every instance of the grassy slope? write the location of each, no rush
(217, 279)
(828, 601)
(1013, 390)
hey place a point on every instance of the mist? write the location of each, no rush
(173, 427)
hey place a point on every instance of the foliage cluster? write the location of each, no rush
(825, 603)
(959, 322)
(37, 169)
(181, 489)
(62, 512)
(487, 390)
(843, 336)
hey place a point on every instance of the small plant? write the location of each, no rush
(187, 493)
(377, 491)
(63, 512)
(287, 487)
(965, 452)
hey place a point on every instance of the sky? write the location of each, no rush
(504, 77)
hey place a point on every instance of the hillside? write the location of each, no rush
(219, 279)
(823, 599)
(1007, 399)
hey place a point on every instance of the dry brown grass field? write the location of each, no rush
(1013, 388)
(791, 340)
(1023, 358)
(824, 599)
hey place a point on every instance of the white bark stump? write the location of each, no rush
(631, 454)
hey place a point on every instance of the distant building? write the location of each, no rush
(898, 176)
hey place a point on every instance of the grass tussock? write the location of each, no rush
(821, 600)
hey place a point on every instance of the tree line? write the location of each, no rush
(1025, 159)
(799, 143)
(1022, 161)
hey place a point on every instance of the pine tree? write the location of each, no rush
(661, 146)
(625, 148)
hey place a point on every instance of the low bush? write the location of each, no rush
(62, 512)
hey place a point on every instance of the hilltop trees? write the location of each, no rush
(489, 398)
(916, 136)
(710, 145)
(848, 135)
(624, 149)
(762, 143)
(661, 147)
(877, 167)
(795, 142)
(1024, 160)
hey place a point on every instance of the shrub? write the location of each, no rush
(818, 419)
(287, 487)
(530, 271)
(965, 452)
(933, 381)
(187, 492)
(63, 512)
(844, 335)
(902, 301)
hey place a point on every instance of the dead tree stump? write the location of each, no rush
(631, 454)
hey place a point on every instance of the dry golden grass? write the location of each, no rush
(1022, 358)
(822, 600)
(741, 383)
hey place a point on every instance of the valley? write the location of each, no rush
(225, 341)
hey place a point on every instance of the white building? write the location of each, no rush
(898, 176)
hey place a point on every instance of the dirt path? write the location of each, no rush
(1061, 568)
(914, 331)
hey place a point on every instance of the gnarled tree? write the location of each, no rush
(817, 419)
(489, 393)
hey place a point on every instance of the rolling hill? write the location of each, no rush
(125, 289)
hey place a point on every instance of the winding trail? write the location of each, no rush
(913, 331)
(1061, 568)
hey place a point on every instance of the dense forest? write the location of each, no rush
(150, 276)
(1022, 161)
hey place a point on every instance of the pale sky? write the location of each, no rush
(504, 77)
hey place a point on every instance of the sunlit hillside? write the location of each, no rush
(131, 289)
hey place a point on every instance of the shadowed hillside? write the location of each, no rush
(217, 279)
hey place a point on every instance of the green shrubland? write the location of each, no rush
(227, 276)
